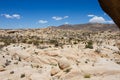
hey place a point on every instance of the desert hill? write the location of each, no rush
(90, 26)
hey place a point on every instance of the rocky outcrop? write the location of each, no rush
(112, 8)
(63, 63)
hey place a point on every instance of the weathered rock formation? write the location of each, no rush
(112, 8)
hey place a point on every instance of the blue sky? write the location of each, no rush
(42, 13)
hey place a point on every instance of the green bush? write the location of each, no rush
(89, 45)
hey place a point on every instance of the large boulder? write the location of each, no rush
(112, 8)
(63, 63)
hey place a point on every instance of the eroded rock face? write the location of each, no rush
(112, 8)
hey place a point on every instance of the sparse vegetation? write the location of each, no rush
(87, 76)
(67, 70)
(22, 76)
(12, 72)
(89, 44)
(7, 62)
(62, 52)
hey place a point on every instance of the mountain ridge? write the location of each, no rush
(90, 26)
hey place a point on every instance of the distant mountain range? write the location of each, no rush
(85, 27)
(90, 26)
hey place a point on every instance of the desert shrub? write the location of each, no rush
(7, 62)
(19, 59)
(89, 44)
(75, 42)
(118, 62)
(67, 70)
(16, 63)
(24, 40)
(1, 46)
(41, 42)
(29, 42)
(86, 62)
(56, 44)
(7, 42)
(53, 41)
(12, 72)
(22, 75)
(87, 76)
(52, 64)
(36, 42)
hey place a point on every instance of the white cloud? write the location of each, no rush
(66, 17)
(91, 15)
(14, 16)
(17, 16)
(110, 22)
(66, 23)
(42, 21)
(59, 18)
(7, 16)
(99, 19)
